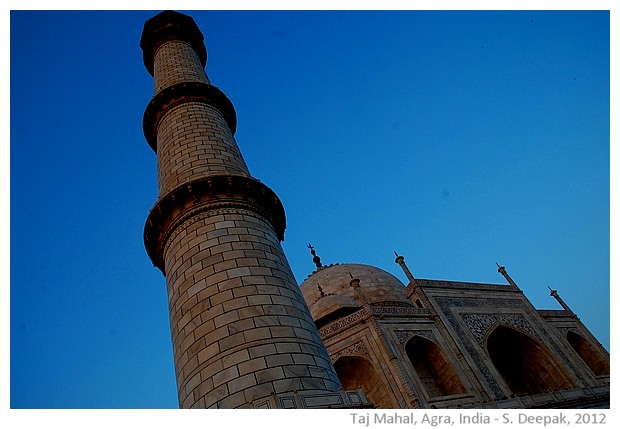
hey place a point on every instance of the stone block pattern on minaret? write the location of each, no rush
(241, 329)
(176, 62)
(194, 141)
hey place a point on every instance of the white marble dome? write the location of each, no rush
(329, 293)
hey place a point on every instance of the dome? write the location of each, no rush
(329, 293)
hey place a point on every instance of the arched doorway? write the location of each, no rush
(526, 365)
(588, 354)
(437, 375)
(358, 373)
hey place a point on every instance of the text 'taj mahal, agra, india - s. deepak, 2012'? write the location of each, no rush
(246, 335)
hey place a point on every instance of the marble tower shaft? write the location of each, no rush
(241, 330)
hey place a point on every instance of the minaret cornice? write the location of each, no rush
(185, 92)
(211, 192)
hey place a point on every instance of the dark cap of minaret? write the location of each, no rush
(170, 25)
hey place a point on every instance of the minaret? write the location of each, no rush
(400, 260)
(554, 293)
(241, 330)
(502, 270)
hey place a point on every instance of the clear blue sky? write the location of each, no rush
(458, 139)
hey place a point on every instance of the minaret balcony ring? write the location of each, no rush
(212, 192)
(185, 92)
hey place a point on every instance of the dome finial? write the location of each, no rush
(315, 259)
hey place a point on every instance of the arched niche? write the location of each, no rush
(356, 372)
(438, 376)
(526, 365)
(588, 354)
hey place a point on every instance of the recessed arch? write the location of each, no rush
(356, 372)
(438, 376)
(588, 354)
(526, 365)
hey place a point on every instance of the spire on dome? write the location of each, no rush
(315, 259)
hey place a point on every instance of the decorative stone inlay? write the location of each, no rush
(442, 332)
(399, 310)
(453, 302)
(402, 336)
(554, 313)
(392, 304)
(446, 305)
(376, 310)
(565, 330)
(426, 283)
(358, 349)
(342, 323)
(479, 324)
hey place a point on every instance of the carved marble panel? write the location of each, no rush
(357, 349)
(402, 336)
(480, 324)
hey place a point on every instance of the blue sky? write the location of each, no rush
(457, 138)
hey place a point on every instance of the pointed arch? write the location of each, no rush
(526, 365)
(590, 356)
(436, 373)
(356, 372)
